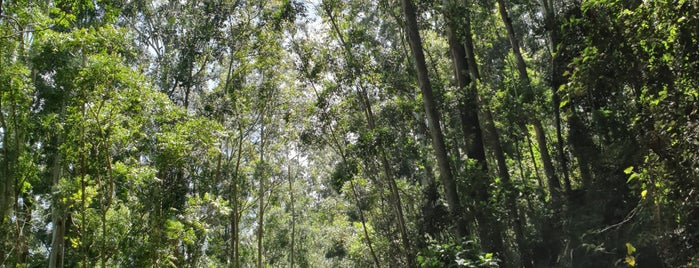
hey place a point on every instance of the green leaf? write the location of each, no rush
(632, 177)
(630, 249)
(628, 170)
(563, 103)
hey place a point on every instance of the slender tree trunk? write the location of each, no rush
(12, 150)
(359, 209)
(553, 182)
(6, 187)
(514, 42)
(83, 187)
(445, 172)
(235, 219)
(57, 214)
(393, 187)
(556, 81)
(581, 142)
(23, 230)
(364, 227)
(531, 153)
(261, 192)
(429, 188)
(554, 231)
(494, 228)
(293, 218)
(337, 145)
(369, 115)
(490, 229)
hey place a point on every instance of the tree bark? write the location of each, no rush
(445, 172)
(7, 184)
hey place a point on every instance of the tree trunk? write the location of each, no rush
(429, 188)
(337, 145)
(369, 115)
(514, 42)
(554, 185)
(493, 140)
(261, 192)
(556, 81)
(293, 218)
(235, 236)
(583, 148)
(531, 153)
(445, 172)
(57, 214)
(490, 229)
(7, 186)
(549, 171)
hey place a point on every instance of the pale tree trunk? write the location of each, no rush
(57, 214)
(12, 150)
(233, 190)
(531, 154)
(445, 172)
(553, 181)
(293, 217)
(393, 187)
(235, 219)
(261, 212)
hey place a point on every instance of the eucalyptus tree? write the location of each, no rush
(180, 41)
(553, 181)
(361, 84)
(329, 126)
(17, 158)
(434, 125)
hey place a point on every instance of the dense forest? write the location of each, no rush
(349, 133)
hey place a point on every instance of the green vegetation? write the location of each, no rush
(349, 133)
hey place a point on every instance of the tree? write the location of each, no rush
(445, 171)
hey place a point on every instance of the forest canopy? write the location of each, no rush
(349, 133)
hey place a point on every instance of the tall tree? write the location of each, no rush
(368, 112)
(445, 171)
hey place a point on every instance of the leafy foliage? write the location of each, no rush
(288, 133)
